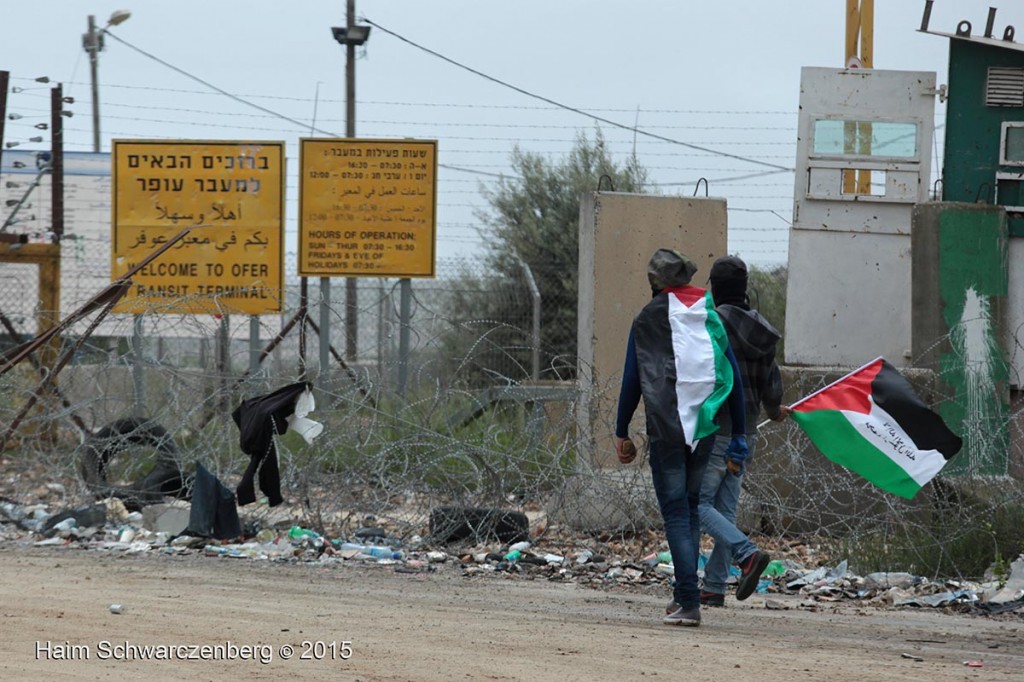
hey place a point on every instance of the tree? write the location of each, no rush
(534, 220)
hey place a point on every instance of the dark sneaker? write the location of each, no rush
(712, 599)
(689, 617)
(751, 569)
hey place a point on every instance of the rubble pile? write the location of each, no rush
(601, 562)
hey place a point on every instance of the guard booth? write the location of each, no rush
(984, 148)
(978, 278)
(863, 161)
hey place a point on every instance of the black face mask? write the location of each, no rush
(729, 292)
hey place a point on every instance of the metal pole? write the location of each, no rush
(4, 80)
(93, 48)
(254, 345)
(535, 295)
(57, 162)
(381, 311)
(325, 332)
(404, 315)
(138, 380)
(351, 293)
(224, 359)
(303, 312)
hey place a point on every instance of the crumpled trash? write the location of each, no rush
(808, 578)
(902, 598)
(885, 581)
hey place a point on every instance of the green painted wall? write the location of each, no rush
(973, 271)
(973, 129)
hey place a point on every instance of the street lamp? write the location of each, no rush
(350, 35)
(92, 42)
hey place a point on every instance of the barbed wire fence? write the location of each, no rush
(487, 420)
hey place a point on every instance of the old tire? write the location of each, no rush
(132, 439)
(455, 524)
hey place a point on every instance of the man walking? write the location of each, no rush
(678, 359)
(753, 340)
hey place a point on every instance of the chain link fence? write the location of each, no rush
(486, 420)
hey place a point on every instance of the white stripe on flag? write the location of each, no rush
(884, 433)
(694, 356)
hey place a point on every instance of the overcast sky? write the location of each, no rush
(721, 75)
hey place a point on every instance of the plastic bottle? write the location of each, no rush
(514, 555)
(381, 552)
(300, 533)
(375, 551)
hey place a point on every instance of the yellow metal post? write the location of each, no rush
(860, 43)
(47, 258)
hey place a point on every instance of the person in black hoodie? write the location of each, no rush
(753, 340)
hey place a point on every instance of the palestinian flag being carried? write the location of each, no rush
(872, 422)
(685, 375)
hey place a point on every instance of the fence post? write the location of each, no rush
(535, 294)
(325, 333)
(404, 315)
(254, 345)
(137, 360)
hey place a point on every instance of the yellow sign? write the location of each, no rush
(367, 207)
(231, 194)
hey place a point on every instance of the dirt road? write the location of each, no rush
(360, 622)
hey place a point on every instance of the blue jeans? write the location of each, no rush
(677, 486)
(719, 495)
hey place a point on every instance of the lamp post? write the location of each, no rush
(350, 35)
(92, 43)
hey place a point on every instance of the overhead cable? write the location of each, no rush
(581, 112)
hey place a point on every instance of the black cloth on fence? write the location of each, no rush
(213, 513)
(259, 420)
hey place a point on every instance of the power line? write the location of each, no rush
(595, 117)
(257, 106)
(238, 99)
(438, 104)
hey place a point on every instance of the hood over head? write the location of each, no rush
(729, 281)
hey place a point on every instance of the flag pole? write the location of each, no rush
(825, 388)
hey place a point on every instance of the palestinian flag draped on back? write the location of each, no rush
(872, 422)
(685, 375)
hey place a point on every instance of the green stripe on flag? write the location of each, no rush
(838, 440)
(723, 373)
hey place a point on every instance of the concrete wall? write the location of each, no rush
(848, 298)
(618, 234)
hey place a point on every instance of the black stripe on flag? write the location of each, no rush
(656, 366)
(894, 394)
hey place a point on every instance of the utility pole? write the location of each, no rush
(5, 78)
(351, 293)
(350, 36)
(92, 41)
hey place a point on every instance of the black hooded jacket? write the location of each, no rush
(753, 340)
